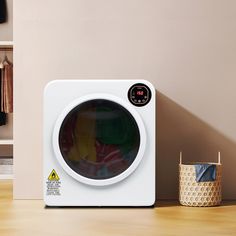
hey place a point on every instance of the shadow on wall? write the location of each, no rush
(178, 129)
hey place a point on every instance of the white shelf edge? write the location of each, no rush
(5, 176)
(6, 141)
(6, 43)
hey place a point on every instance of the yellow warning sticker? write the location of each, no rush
(53, 176)
(53, 184)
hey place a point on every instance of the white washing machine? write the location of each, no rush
(99, 143)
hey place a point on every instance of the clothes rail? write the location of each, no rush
(6, 49)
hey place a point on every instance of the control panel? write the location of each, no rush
(139, 94)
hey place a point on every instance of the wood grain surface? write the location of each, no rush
(30, 217)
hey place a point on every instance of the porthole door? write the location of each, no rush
(99, 139)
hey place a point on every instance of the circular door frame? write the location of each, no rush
(99, 182)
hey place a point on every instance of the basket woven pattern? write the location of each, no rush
(192, 193)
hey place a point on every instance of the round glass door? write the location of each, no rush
(99, 139)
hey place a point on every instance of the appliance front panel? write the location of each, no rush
(114, 126)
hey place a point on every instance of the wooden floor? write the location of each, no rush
(29, 217)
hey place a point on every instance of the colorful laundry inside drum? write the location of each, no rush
(111, 157)
(84, 137)
(67, 134)
(112, 127)
(109, 162)
(99, 141)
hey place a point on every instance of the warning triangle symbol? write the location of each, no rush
(53, 176)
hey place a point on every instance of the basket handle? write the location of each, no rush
(219, 161)
(180, 157)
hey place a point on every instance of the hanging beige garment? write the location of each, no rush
(7, 89)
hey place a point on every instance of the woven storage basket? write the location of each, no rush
(201, 194)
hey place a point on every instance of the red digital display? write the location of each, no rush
(140, 93)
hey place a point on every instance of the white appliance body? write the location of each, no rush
(99, 143)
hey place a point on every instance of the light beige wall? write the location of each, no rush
(6, 29)
(186, 48)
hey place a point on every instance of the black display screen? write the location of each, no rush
(139, 94)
